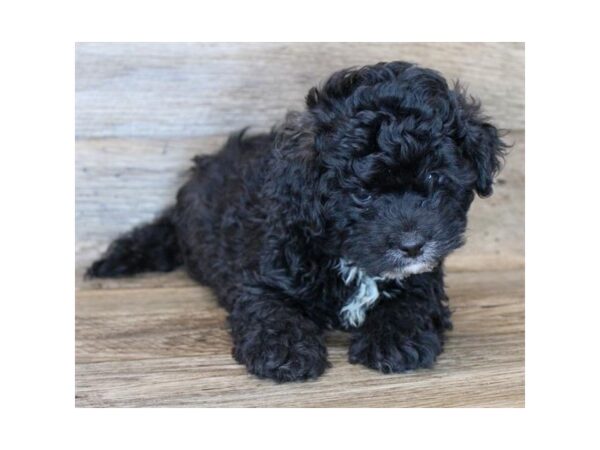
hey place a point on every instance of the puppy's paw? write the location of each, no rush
(290, 355)
(395, 353)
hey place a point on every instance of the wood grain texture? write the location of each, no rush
(205, 89)
(169, 347)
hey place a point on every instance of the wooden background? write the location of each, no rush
(143, 111)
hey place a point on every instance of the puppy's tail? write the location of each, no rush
(151, 247)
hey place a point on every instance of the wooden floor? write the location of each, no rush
(167, 346)
(160, 340)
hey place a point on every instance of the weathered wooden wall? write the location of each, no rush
(143, 110)
(191, 90)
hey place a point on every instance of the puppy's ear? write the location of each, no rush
(480, 142)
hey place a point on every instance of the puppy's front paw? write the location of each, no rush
(395, 353)
(290, 355)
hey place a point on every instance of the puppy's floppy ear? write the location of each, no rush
(484, 147)
(480, 142)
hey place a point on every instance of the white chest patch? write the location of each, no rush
(365, 291)
(365, 295)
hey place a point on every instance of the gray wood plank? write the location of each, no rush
(200, 89)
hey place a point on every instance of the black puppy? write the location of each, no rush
(339, 218)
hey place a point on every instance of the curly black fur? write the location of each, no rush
(339, 218)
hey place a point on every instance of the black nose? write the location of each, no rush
(413, 247)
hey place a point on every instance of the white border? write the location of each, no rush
(38, 224)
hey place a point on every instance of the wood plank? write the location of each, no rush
(169, 347)
(121, 183)
(203, 89)
(196, 382)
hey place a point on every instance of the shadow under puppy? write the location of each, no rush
(339, 218)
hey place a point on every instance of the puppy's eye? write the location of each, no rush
(361, 198)
(435, 179)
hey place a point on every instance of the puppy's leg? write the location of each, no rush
(402, 333)
(274, 340)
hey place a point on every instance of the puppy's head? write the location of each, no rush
(403, 155)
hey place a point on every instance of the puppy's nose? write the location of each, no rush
(412, 247)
